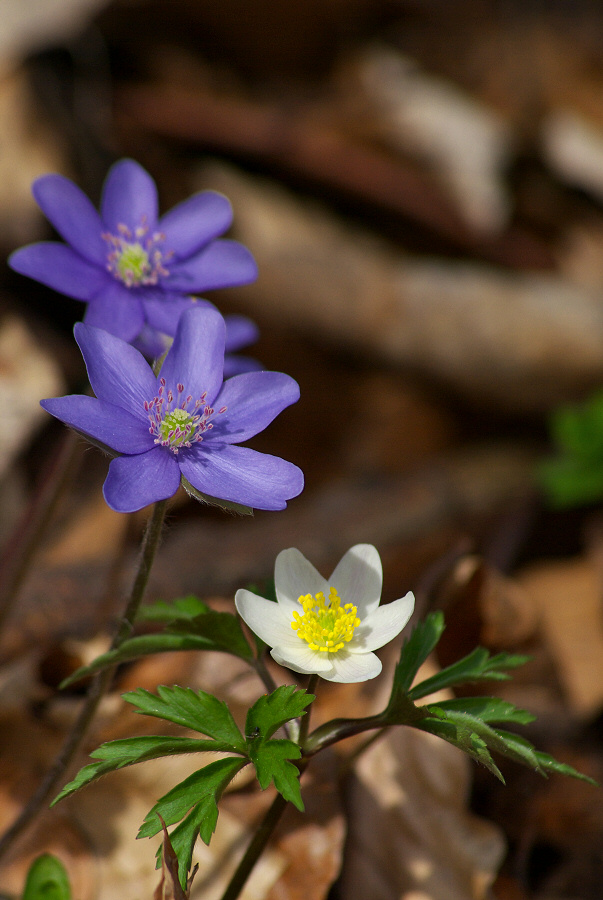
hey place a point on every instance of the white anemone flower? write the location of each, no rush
(328, 627)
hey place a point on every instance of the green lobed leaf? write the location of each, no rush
(271, 757)
(114, 755)
(578, 429)
(47, 879)
(575, 475)
(476, 666)
(271, 711)
(195, 800)
(464, 738)
(271, 761)
(520, 750)
(182, 608)
(512, 746)
(489, 709)
(223, 629)
(415, 650)
(545, 762)
(203, 787)
(549, 764)
(226, 505)
(570, 481)
(192, 709)
(146, 645)
(472, 734)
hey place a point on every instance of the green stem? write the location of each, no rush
(263, 673)
(305, 720)
(255, 848)
(339, 729)
(98, 688)
(402, 712)
(149, 549)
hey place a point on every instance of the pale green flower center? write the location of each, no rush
(177, 428)
(132, 264)
(176, 422)
(136, 257)
(325, 626)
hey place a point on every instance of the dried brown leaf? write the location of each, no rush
(410, 833)
(169, 887)
(567, 595)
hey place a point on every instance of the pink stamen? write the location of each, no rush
(184, 433)
(136, 258)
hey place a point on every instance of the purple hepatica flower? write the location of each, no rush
(182, 424)
(240, 332)
(131, 268)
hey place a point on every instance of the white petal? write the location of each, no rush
(294, 577)
(382, 625)
(348, 668)
(265, 618)
(358, 578)
(302, 659)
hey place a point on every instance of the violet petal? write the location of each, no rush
(221, 264)
(240, 332)
(163, 310)
(59, 267)
(129, 198)
(118, 373)
(151, 343)
(241, 475)
(108, 424)
(252, 401)
(136, 481)
(73, 216)
(196, 358)
(193, 223)
(116, 309)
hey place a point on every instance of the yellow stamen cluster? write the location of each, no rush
(326, 626)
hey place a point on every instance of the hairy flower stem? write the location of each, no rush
(270, 684)
(263, 673)
(98, 688)
(19, 552)
(304, 726)
(401, 712)
(338, 730)
(255, 848)
(270, 820)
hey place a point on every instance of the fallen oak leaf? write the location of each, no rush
(169, 865)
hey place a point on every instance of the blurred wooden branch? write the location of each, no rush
(524, 341)
(300, 144)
